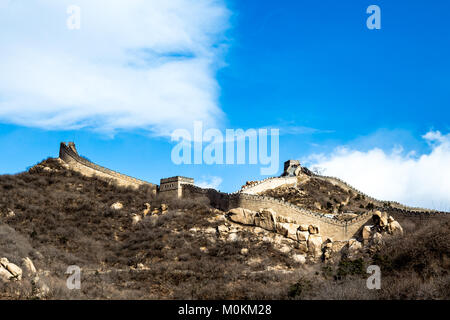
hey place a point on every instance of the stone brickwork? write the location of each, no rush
(248, 197)
(396, 206)
(337, 230)
(68, 153)
(268, 184)
(332, 228)
(172, 187)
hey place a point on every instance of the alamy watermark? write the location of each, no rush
(374, 20)
(74, 280)
(374, 281)
(227, 149)
(74, 19)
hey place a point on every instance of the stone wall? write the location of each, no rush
(337, 230)
(172, 187)
(248, 199)
(329, 227)
(69, 155)
(396, 206)
(267, 184)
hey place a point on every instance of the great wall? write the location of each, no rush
(69, 154)
(248, 197)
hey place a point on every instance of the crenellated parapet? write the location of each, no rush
(380, 203)
(338, 230)
(248, 197)
(69, 154)
(330, 227)
(268, 183)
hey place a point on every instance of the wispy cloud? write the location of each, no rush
(133, 64)
(290, 128)
(417, 179)
(210, 182)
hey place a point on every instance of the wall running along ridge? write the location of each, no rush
(70, 156)
(329, 227)
(337, 230)
(268, 184)
(396, 206)
(248, 199)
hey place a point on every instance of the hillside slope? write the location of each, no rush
(58, 218)
(321, 196)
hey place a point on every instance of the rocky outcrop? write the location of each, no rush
(117, 206)
(28, 266)
(382, 225)
(147, 209)
(9, 271)
(305, 238)
(266, 219)
(243, 216)
(315, 245)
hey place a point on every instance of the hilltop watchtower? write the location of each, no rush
(173, 186)
(291, 168)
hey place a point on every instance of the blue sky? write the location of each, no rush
(343, 96)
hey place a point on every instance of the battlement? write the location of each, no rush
(268, 183)
(69, 154)
(172, 187)
(291, 168)
(247, 197)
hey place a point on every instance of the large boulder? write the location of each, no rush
(377, 238)
(5, 275)
(354, 248)
(14, 270)
(222, 229)
(302, 235)
(313, 229)
(299, 258)
(266, 219)
(302, 246)
(303, 227)
(367, 232)
(241, 215)
(384, 220)
(376, 216)
(354, 245)
(380, 219)
(136, 218)
(315, 245)
(147, 209)
(28, 266)
(328, 249)
(288, 230)
(4, 262)
(395, 228)
(117, 206)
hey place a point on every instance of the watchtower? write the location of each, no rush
(173, 187)
(291, 168)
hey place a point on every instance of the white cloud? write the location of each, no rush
(210, 182)
(145, 64)
(416, 180)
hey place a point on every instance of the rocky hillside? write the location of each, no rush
(321, 196)
(130, 244)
